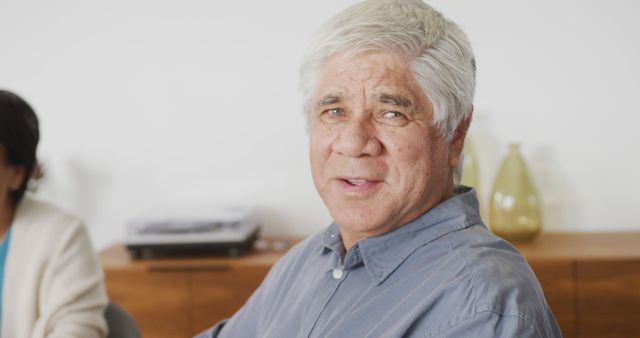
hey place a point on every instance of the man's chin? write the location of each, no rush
(361, 225)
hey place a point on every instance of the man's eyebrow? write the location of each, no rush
(329, 99)
(396, 100)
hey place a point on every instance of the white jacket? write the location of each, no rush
(53, 283)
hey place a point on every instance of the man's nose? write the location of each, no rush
(358, 138)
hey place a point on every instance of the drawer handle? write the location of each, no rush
(182, 268)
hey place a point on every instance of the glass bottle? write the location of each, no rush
(514, 207)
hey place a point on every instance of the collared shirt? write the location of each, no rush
(442, 275)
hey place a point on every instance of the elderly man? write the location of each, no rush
(388, 89)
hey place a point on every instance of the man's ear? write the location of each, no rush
(457, 142)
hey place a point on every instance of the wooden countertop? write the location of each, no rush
(117, 257)
(574, 245)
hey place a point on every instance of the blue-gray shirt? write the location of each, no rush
(442, 275)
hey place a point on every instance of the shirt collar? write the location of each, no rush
(332, 241)
(383, 254)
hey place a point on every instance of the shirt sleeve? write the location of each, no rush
(73, 293)
(494, 325)
(250, 320)
(244, 323)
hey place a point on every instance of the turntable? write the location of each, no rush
(222, 231)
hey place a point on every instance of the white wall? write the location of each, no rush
(147, 104)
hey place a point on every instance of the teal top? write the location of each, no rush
(4, 248)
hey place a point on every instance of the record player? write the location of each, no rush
(223, 231)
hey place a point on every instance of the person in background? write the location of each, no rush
(388, 90)
(51, 283)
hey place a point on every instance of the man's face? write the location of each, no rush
(377, 159)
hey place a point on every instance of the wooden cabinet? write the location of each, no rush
(180, 297)
(557, 281)
(159, 301)
(609, 298)
(591, 281)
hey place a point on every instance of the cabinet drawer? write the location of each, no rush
(557, 281)
(218, 294)
(609, 298)
(158, 301)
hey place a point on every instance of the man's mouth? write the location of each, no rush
(359, 185)
(356, 181)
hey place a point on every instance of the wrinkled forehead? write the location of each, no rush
(367, 64)
(378, 73)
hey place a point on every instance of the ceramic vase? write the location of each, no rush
(514, 206)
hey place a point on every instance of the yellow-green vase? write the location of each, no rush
(514, 208)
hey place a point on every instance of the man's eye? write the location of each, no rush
(392, 115)
(393, 118)
(334, 112)
(332, 115)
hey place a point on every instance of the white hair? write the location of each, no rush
(441, 58)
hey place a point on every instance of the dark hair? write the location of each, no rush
(19, 135)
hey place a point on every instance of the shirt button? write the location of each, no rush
(337, 273)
